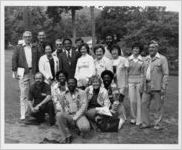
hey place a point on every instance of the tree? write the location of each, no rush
(55, 13)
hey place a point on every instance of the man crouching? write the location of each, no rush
(40, 101)
(73, 104)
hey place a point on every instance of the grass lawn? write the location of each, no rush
(16, 133)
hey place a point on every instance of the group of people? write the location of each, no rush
(86, 88)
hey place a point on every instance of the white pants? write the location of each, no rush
(135, 101)
(24, 85)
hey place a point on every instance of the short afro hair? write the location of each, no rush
(107, 72)
(67, 39)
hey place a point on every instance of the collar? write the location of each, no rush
(59, 85)
(76, 90)
(157, 55)
(26, 45)
(47, 58)
(132, 57)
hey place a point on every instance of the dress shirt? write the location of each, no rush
(74, 104)
(148, 73)
(28, 55)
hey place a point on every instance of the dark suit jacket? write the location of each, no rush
(19, 59)
(41, 49)
(64, 63)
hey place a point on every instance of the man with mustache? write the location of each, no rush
(40, 101)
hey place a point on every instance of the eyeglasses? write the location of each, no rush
(58, 44)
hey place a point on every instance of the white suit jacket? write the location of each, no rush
(45, 68)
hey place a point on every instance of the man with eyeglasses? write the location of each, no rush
(59, 48)
(156, 74)
(24, 66)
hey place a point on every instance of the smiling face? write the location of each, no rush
(67, 44)
(153, 49)
(114, 53)
(71, 85)
(58, 44)
(136, 51)
(99, 53)
(78, 43)
(107, 80)
(83, 50)
(61, 78)
(48, 50)
(41, 37)
(38, 80)
(27, 36)
(109, 40)
(96, 83)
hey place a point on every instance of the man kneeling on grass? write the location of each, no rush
(40, 101)
(73, 104)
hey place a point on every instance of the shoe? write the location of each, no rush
(22, 121)
(157, 127)
(46, 140)
(121, 122)
(31, 122)
(132, 121)
(143, 126)
(69, 139)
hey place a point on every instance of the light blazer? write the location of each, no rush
(45, 68)
(102, 99)
(159, 72)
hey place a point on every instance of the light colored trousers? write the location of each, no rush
(64, 121)
(24, 85)
(158, 109)
(135, 101)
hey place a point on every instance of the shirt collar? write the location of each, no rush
(132, 57)
(68, 91)
(26, 45)
(157, 55)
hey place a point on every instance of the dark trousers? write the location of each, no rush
(45, 108)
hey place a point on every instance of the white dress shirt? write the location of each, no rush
(28, 55)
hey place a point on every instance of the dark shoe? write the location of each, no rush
(32, 122)
(22, 121)
(46, 140)
(69, 139)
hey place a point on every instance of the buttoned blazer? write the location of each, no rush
(64, 63)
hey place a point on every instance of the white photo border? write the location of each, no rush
(3, 145)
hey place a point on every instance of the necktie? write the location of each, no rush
(69, 57)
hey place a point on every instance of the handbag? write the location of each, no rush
(107, 123)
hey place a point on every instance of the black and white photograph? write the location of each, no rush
(90, 74)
